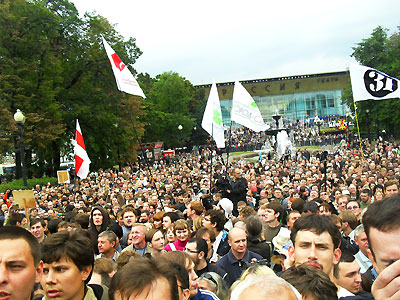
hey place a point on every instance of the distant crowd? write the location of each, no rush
(311, 226)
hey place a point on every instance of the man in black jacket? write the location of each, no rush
(238, 189)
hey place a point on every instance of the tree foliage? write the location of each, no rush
(382, 52)
(54, 68)
(171, 101)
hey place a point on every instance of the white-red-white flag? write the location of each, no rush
(82, 160)
(124, 78)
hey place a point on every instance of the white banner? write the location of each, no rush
(124, 78)
(245, 111)
(368, 83)
(212, 118)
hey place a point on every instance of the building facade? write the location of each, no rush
(297, 98)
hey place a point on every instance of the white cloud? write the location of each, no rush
(228, 40)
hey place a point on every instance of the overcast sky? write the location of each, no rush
(232, 40)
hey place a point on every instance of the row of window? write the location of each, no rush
(292, 107)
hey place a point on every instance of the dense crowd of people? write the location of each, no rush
(314, 225)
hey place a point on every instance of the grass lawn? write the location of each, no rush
(309, 147)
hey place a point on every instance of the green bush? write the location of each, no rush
(18, 184)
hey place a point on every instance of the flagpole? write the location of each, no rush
(359, 135)
(229, 145)
(211, 175)
(145, 157)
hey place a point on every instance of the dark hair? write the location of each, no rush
(74, 245)
(217, 217)
(367, 191)
(15, 218)
(346, 257)
(390, 183)
(178, 257)
(254, 227)
(38, 220)
(277, 207)
(182, 274)
(311, 282)
(104, 224)
(317, 224)
(310, 206)
(15, 232)
(383, 216)
(83, 220)
(201, 245)
(135, 276)
(52, 225)
(172, 215)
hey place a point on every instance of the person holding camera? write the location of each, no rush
(237, 190)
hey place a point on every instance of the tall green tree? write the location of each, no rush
(54, 68)
(168, 106)
(380, 51)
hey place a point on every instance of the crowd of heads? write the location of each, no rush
(176, 230)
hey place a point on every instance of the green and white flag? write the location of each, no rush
(212, 118)
(245, 111)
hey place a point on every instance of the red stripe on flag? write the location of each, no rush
(78, 163)
(79, 140)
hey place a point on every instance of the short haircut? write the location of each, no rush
(37, 220)
(217, 217)
(317, 224)
(109, 235)
(158, 216)
(83, 220)
(15, 218)
(201, 245)
(349, 217)
(73, 245)
(267, 285)
(383, 216)
(277, 207)
(150, 233)
(358, 230)
(53, 225)
(124, 257)
(310, 206)
(254, 226)
(178, 257)
(15, 232)
(182, 274)
(129, 209)
(311, 282)
(135, 276)
(346, 257)
(367, 191)
(172, 215)
(104, 266)
(203, 231)
(247, 211)
(197, 206)
(390, 183)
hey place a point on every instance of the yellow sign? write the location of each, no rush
(24, 199)
(63, 177)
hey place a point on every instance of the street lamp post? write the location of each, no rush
(20, 120)
(180, 127)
